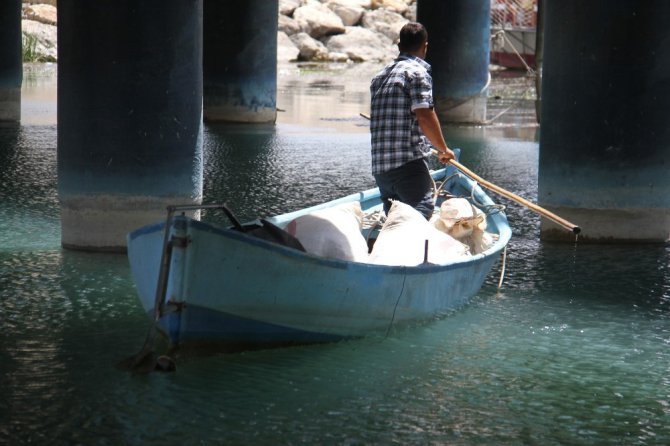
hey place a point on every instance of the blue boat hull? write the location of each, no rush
(225, 286)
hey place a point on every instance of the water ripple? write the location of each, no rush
(572, 350)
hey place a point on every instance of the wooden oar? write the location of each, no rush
(512, 196)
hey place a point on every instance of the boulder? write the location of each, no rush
(288, 25)
(286, 49)
(310, 49)
(385, 22)
(317, 20)
(365, 4)
(41, 2)
(338, 57)
(286, 7)
(327, 27)
(398, 6)
(46, 14)
(348, 10)
(361, 44)
(411, 13)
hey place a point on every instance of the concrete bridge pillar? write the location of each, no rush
(459, 33)
(605, 139)
(129, 115)
(11, 64)
(240, 60)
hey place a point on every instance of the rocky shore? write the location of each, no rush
(341, 30)
(309, 30)
(39, 31)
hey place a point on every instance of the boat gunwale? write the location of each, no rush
(502, 227)
(153, 227)
(346, 264)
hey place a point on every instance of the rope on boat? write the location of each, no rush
(488, 209)
(388, 330)
(438, 189)
(502, 267)
(372, 221)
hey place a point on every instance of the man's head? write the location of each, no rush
(413, 39)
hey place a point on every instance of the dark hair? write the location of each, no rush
(412, 36)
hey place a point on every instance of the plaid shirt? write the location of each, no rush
(398, 90)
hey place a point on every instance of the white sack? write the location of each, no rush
(401, 240)
(333, 233)
(465, 222)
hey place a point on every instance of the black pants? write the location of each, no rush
(410, 183)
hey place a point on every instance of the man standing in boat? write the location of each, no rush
(403, 125)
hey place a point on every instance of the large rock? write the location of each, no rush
(45, 2)
(337, 57)
(398, 6)
(410, 14)
(310, 49)
(385, 22)
(286, 7)
(365, 4)
(361, 44)
(288, 25)
(46, 14)
(317, 20)
(41, 40)
(331, 21)
(286, 49)
(348, 10)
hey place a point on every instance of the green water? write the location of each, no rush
(575, 348)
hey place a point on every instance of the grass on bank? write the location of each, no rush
(29, 51)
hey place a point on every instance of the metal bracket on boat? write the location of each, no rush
(170, 241)
(193, 207)
(173, 306)
(179, 242)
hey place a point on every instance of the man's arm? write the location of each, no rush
(430, 126)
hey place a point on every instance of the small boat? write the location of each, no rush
(207, 283)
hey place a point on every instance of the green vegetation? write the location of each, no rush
(30, 49)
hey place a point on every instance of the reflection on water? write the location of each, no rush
(267, 171)
(572, 350)
(313, 95)
(29, 216)
(38, 94)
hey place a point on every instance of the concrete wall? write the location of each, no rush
(129, 115)
(605, 139)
